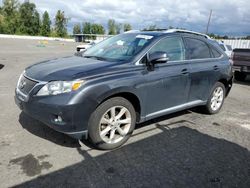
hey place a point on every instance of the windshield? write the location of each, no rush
(119, 48)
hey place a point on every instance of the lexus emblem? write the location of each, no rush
(22, 84)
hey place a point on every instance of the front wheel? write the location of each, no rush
(112, 123)
(216, 99)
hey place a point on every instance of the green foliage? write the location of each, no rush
(89, 28)
(61, 24)
(45, 26)
(111, 27)
(77, 29)
(10, 7)
(53, 33)
(9, 14)
(86, 28)
(29, 19)
(225, 37)
(97, 29)
(3, 26)
(127, 27)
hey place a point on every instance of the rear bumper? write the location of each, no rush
(238, 68)
(70, 119)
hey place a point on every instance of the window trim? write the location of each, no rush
(184, 49)
(137, 63)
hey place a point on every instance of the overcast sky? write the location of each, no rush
(230, 17)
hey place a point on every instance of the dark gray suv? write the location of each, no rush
(124, 80)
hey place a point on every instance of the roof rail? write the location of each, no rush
(186, 31)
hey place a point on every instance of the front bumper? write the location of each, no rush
(74, 117)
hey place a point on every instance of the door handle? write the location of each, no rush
(216, 67)
(184, 71)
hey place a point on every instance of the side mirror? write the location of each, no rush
(158, 57)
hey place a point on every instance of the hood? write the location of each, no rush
(68, 68)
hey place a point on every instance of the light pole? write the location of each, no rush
(211, 11)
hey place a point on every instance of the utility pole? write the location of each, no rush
(211, 11)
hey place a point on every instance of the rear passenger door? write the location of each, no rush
(204, 67)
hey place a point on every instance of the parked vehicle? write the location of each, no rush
(83, 47)
(226, 48)
(241, 63)
(124, 80)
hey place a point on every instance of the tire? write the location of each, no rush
(105, 132)
(239, 76)
(215, 100)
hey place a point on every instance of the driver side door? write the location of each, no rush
(167, 86)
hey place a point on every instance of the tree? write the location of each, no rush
(61, 24)
(111, 27)
(118, 28)
(225, 37)
(37, 23)
(3, 26)
(77, 29)
(97, 29)
(10, 7)
(86, 28)
(127, 27)
(29, 19)
(9, 16)
(46, 23)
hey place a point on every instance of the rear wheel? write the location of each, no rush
(239, 76)
(216, 99)
(112, 123)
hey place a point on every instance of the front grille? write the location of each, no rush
(26, 85)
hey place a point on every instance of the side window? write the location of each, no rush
(173, 46)
(197, 49)
(215, 52)
(229, 47)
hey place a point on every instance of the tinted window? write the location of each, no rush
(216, 54)
(197, 49)
(173, 46)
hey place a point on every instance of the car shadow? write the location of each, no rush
(1, 66)
(245, 82)
(177, 157)
(43, 131)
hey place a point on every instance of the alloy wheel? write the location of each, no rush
(115, 124)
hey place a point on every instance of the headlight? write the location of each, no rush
(58, 87)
